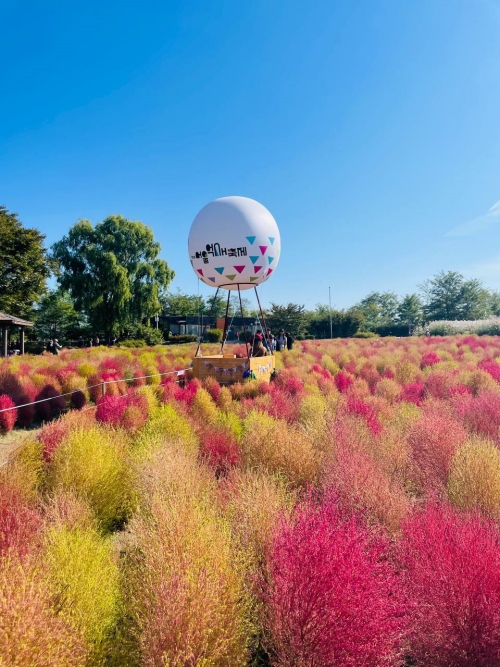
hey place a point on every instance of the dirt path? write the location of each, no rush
(10, 442)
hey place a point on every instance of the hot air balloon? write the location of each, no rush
(234, 244)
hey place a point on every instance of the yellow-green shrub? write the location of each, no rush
(94, 465)
(32, 634)
(84, 582)
(204, 408)
(474, 480)
(167, 424)
(274, 446)
(190, 601)
(225, 399)
(256, 501)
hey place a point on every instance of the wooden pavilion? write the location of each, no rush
(7, 322)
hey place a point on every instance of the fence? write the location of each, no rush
(179, 373)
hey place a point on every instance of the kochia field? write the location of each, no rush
(346, 514)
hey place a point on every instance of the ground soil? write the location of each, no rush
(10, 442)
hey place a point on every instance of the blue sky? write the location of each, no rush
(370, 129)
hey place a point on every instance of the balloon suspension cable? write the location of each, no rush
(207, 323)
(243, 319)
(224, 335)
(266, 330)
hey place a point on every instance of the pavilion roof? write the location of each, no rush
(16, 321)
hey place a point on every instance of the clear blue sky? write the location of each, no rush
(370, 129)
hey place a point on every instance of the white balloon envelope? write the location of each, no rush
(234, 242)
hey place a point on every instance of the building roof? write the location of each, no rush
(16, 321)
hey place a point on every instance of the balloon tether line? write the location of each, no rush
(208, 322)
(266, 330)
(225, 323)
(243, 318)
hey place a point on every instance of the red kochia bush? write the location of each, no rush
(480, 414)
(429, 359)
(51, 437)
(220, 451)
(491, 367)
(129, 411)
(331, 598)
(357, 406)
(18, 522)
(434, 439)
(343, 381)
(48, 409)
(452, 573)
(413, 393)
(8, 418)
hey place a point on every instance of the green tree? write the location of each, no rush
(345, 323)
(448, 296)
(494, 303)
(292, 318)
(474, 300)
(410, 310)
(379, 309)
(187, 305)
(24, 266)
(55, 316)
(113, 272)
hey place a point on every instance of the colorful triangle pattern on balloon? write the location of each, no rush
(254, 258)
(270, 260)
(269, 271)
(254, 278)
(251, 239)
(271, 239)
(239, 268)
(200, 271)
(263, 249)
(232, 276)
(257, 269)
(212, 279)
(220, 269)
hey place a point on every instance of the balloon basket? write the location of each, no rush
(228, 369)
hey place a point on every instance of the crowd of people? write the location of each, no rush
(264, 345)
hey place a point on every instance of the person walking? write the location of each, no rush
(56, 347)
(281, 341)
(289, 341)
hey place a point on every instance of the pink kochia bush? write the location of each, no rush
(451, 565)
(129, 411)
(19, 522)
(332, 597)
(7, 418)
(220, 451)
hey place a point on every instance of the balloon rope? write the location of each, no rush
(266, 330)
(208, 323)
(243, 318)
(225, 323)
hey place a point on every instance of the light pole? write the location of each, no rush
(330, 302)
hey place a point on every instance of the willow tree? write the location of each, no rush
(113, 272)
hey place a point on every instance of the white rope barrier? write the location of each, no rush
(100, 384)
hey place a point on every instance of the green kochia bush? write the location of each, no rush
(94, 465)
(84, 581)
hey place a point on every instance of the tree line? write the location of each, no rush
(112, 282)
